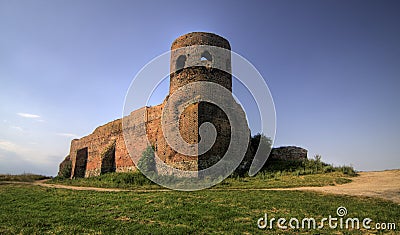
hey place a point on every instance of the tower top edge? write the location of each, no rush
(200, 38)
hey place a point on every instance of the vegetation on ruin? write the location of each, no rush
(137, 180)
(147, 162)
(65, 171)
(305, 167)
(276, 174)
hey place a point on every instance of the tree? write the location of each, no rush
(255, 141)
(147, 163)
(66, 168)
(253, 147)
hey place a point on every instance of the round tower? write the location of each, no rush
(197, 57)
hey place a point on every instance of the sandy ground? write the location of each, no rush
(380, 184)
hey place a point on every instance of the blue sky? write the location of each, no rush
(333, 68)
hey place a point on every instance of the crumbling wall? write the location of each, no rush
(288, 153)
(187, 129)
(108, 159)
(93, 148)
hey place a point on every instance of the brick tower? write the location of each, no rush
(194, 58)
(196, 64)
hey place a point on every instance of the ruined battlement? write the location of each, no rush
(288, 153)
(105, 150)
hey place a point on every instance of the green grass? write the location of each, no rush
(276, 174)
(27, 209)
(22, 177)
(133, 180)
(284, 181)
(263, 180)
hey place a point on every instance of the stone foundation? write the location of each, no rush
(288, 153)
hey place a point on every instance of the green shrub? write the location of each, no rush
(303, 167)
(66, 170)
(147, 163)
(328, 169)
(348, 170)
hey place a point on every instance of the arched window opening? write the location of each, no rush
(206, 56)
(180, 62)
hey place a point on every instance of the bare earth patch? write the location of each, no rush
(381, 184)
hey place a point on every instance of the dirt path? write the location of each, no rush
(80, 188)
(381, 184)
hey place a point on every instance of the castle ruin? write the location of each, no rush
(105, 149)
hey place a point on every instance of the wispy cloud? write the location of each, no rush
(9, 146)
(16, 148)
(70, 135)
(28, 115)
(26, 157)
(18, 128)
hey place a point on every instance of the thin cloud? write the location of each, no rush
(8, 146)
(28, 115)
(18, 128)
(70, 135)
(15, 148)
(17, 157)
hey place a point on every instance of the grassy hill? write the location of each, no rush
(231, 207)
(276, 174)
(28, 209)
